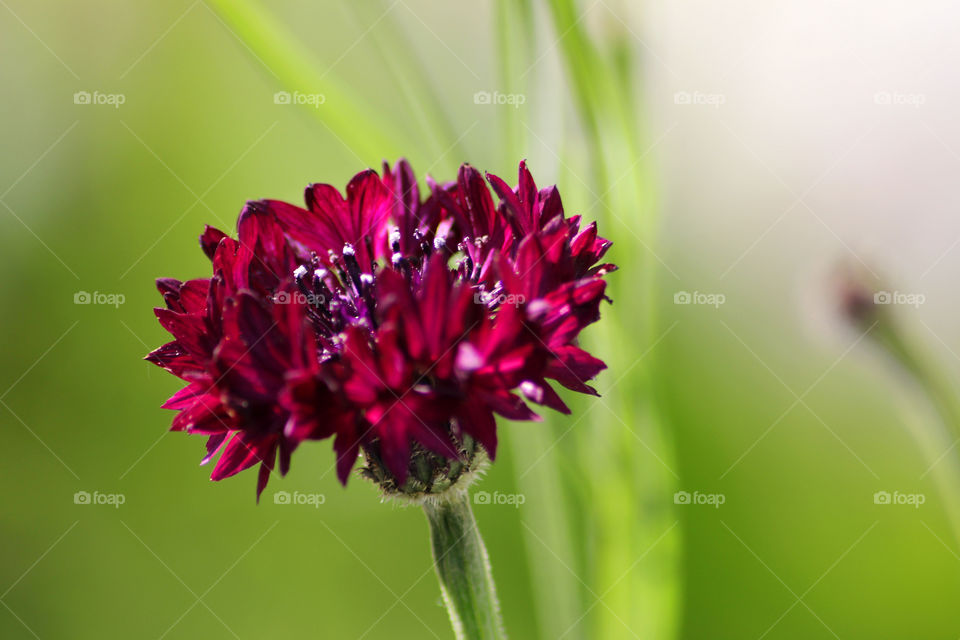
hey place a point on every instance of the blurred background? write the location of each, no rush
(729, 483)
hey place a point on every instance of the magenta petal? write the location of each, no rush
(396, 452)
(186, 396)
(477, 200)
(214, 443)
(210, 239)
(512, 204)
(178, 361)
(266, 468)
(346, 447)
(542, 393)
(508, 405)
(369, 203)
(237, 456)
(313, 228)
(205, 415)
(436, 440)
(478, 422)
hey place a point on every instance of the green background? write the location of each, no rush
(107, 199)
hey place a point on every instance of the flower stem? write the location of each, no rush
(930, 389)
(464, 569)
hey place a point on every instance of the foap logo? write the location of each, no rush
(898, 297)
(512, 499)
(97, 297)
(696, 297)
(492, 299)
(497, 98)
(715, 100)
(712, 499)
(97, 98)
(300, 499)
(896, 498)
(312, 99)
(895, 98)
(298, 297)
(96, 498)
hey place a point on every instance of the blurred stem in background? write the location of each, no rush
(600, 497)
(927, 387)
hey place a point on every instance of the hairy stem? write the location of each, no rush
(464, 569)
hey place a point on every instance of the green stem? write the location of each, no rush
(933, 388)
(464, 569)
(925, 373)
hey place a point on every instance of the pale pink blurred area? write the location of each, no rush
(814, 132)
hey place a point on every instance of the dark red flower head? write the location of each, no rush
(398, 325)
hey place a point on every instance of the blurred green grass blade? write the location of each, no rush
(423, 99)
(644, 192)
(278, 50)
(547, 535)
(631, 507)
(506, 57)
(586, 75)
(515, 41)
